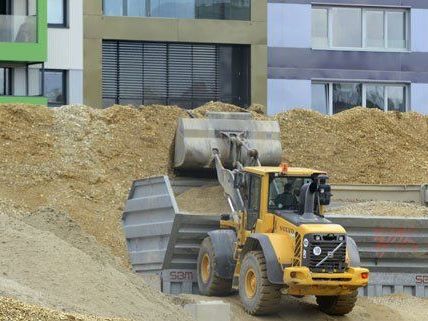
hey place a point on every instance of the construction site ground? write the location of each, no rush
(65, 175)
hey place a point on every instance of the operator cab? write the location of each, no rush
(288, 193)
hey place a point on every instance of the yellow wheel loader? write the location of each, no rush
(276, 241)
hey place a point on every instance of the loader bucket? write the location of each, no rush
(196, 138)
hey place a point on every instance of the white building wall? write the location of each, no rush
(419, 98)
(65, 51)
(286, 94)
(419, 26)
(289, 25)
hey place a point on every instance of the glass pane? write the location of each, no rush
(54, 90)
(375, 29)
(346, 96)
(32, 7)
(137, 8)
(2, 82)
(375, 96)
(396, 29)
(172, 9)
(210, 9)
(319, 27)
(396, 98)
(239, 10)
(320, 98)
(346, 27)
(56, 11)
(34, 80)
(113, 7)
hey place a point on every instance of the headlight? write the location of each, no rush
(317, 237)
(305, 243)
(317, 250)
(341, 238)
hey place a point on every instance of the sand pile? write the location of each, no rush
(14, 310)
(81, 161)
(52, 262)
(380, 208)
(204, 200)
(360, 145)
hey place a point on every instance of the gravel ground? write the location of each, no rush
(391, 308)
(379, 208)
(14, 310)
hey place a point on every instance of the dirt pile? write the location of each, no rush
(52, 262)
(14, 310)
(204, 200)
(81, 161)
(380, 208)
(360, 145)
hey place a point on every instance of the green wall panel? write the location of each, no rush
(23, 100)
(29, 52)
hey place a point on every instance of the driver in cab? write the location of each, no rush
(286, 200)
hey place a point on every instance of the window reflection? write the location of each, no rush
(182, 9)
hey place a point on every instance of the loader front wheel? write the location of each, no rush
(209, 282)
(337, 305)
(258, 295)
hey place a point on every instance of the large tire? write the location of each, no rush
(337, 305)
(258, 295)
(209, 282)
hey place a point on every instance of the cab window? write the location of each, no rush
(253, 200)
(284, 192)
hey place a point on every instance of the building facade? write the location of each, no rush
(41, 52)
(63, 76)
(23, 50)
(175, 52)
(333, 55)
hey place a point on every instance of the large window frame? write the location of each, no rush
(196, 14)
(64, 23)
(365, 84)
(364, 46)
(64, 84)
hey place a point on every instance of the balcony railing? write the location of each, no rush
(180, 9)
(15, 28)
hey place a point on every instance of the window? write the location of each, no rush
(181, 9)
(360, 28)
(183, 74)
(320, 27)
(320, 98)
(57, 13)
(334, 97)
(55, 87)
(346, 95)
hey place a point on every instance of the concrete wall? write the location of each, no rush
(98, 27)
(65, 51)
(292, 61)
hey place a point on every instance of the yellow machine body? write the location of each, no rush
(286, 241)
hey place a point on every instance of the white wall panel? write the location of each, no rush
(419, 98)
(289, 25)
(419, 28)
(75, 87)
(286, 94)
(65, 45)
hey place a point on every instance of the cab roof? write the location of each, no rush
(292, 171)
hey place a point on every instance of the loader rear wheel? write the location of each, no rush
(337, 305)
(257, 294)
(209, 282)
